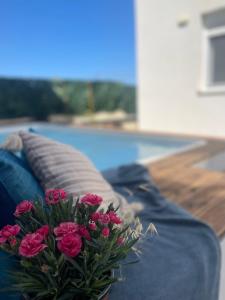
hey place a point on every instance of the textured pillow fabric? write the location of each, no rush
(16, 184)
(57, 165)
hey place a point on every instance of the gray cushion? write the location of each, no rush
(58, 165)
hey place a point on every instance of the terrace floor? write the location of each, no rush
(198, 190)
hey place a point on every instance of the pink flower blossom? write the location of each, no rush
(114, 218)
(8, 231)
(84, 232)
(54, 196)
(66, 228)
(105, 232)
(31, 245)
(104, 219)
(23, 207)
(92, 226)
(70, 245)
(95, 216)
(44, 231)
(91, 199)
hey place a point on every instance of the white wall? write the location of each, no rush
(169, 69)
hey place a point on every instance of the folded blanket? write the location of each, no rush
(181, 262)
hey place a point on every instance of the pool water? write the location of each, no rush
(108, 148)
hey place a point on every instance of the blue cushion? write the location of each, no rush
(6, 264)
(17, 183)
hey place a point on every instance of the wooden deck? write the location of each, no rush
(200, 191)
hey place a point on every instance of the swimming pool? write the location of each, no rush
(108, 148)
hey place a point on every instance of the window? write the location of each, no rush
(214, 60)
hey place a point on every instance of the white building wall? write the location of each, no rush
(169, 60)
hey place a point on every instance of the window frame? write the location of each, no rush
(206, 68)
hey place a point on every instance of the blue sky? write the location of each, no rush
(78, 39)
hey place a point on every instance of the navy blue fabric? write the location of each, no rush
(16, 183)
(182, 262)
(6, 264)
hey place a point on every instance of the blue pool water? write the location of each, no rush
(108, 148)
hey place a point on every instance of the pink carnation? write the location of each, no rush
(105, 232)
(8, 232)
(114, 218)
(104, 219)
(31, 245)
(23, 207)
(66, 228)
(54, 196)
(84, 232)
(70, 245)
(95, 216)
(91, 199)
(44, 231)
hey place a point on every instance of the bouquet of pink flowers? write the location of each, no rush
(66, 249)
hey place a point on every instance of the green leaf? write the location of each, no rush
(26, 263)
(131, 262)
(103, 283)
(43, 294)
(75, 265)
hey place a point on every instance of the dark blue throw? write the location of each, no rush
(182, 262)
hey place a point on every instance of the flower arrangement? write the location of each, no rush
(66, 249)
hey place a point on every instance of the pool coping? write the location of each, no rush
(187, 148)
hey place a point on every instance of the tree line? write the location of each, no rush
(40, 98)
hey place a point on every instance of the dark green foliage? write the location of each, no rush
(40, 98)
(113, 96)
(29, 98)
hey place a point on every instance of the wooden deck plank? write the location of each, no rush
(200, 191)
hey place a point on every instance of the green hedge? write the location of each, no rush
(40, 98)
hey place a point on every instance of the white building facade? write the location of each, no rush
(181, 66)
